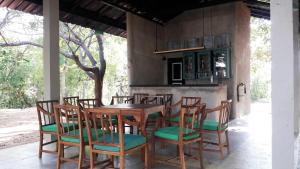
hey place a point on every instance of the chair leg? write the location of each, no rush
(80, 159)
(152, 160)
(200, 153)
(122, 162)
(56, 146)
(131, 129)
(60, 154)
(92, 158)
(146, 156)
(227, 141)
(181, 154)
(220, 145)
(41, 144)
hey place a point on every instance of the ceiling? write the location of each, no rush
(110, 15)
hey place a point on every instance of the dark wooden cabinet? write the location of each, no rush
(204, 66)
(189, 65)
(221, 58)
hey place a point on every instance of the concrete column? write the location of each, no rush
(51, 48)
(284, 82)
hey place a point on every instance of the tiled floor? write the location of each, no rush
(250, 139)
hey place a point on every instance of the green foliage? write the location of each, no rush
(17, 76)
(260, 59)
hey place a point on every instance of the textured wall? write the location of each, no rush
(144, 66)
(233, 18)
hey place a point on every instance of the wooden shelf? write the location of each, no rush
(178, 50)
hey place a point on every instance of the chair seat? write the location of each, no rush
(154, 116)
(207, 125)
(211, 125)
(84, 133)
(172, 133)
(53, 127)
(130, 141)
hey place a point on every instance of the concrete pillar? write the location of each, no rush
(51, 48)
(285, 83)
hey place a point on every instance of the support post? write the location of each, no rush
(285, 81)
(51, 49)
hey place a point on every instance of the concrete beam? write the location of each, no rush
(51, 49)
(285, 82)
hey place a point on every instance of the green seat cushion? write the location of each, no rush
(84, 133)
(53, 127)
(172, 133)
(154, 116)
(211, 125)
(177, 119)
(130, 141)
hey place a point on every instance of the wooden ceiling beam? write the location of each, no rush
(67, 8)
(143, 14)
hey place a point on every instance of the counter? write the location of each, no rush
(212, 95)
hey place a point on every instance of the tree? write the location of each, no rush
(79, 44)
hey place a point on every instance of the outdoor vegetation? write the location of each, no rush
(260, 59)
(89, 59)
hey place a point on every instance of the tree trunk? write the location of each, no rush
(98, 87)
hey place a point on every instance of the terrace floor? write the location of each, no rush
(250, 141)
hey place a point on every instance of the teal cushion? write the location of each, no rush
(154, 116)
(84, 133)
(53, 127)
(130, 141)
(211, 125)
(177, 119)
(172, 133)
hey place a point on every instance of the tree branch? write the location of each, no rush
(23, 43)
(78, 41)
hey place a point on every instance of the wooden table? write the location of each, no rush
(139, 111)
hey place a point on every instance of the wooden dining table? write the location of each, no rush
(140, 112)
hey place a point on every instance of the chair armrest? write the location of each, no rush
(213, 110)
(174, 105)
(127, 101)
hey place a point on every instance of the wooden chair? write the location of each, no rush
(185, 133)
(173, 111)
(218, 127)
(122, 100)
(45, 111)
(71, 132)
(138, 97)
(73, 100)
(109, 141)
(168, 99)
(154, 119)
(87, 103)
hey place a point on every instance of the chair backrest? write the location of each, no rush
(87, 103)
(191, 120)
(224, 113)
(153, 100)
(138, 97)
(45, 110)
(69, 121)
(73, 100)
(168, 99)
(102, 125)
(122, 100)
(190, 101)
